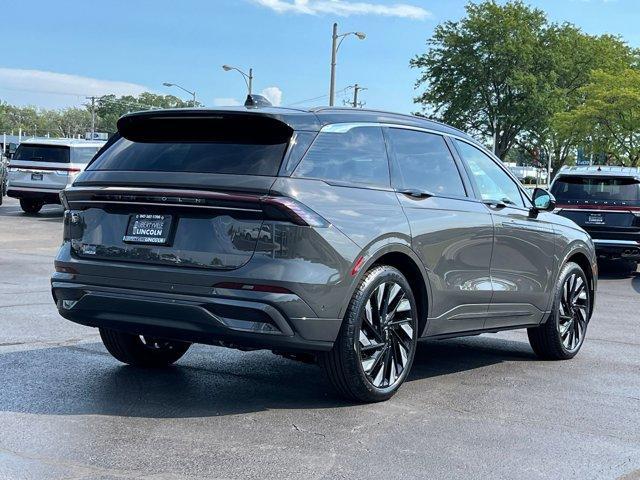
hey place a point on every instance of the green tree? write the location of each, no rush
(110, 108)
(487, 73)
(505, 69)
(573, 55)
(608, 119)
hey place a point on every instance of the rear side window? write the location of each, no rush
(42, 153)
(206, 157)
(576, 189)
(83, 154)
(423, 161)
(349, 154)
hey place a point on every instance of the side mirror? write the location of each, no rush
(543, 201)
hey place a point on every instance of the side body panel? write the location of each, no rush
(524, 267)
(453, 239)
(371, 218)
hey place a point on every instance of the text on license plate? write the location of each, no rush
(148, 228)
(596, 218)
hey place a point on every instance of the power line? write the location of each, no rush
(316, 98)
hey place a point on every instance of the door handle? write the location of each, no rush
(416, 193)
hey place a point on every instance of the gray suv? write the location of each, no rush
(336, 235)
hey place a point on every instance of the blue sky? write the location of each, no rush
(55, 53)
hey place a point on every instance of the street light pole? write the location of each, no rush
(248, 78)
(193, 94)
(334, 53)
(335, 46)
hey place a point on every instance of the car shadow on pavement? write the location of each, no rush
(208, 382)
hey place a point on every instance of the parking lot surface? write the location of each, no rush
(478, 407)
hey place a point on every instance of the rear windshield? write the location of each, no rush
(83, 154)
(596, 190)
(218, 157)
(42, 153)
(197, 142)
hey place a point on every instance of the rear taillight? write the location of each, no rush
(285, 208)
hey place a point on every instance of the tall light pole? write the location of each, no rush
(248, 77)
(335, 46)
(193, 94)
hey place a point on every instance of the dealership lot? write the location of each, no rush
(475, 408)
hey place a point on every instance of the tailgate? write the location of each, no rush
(618, 224)
(181, 228)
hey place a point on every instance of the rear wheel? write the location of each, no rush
(141, 350)
(375, 348)
(30, 205)
(562, 336)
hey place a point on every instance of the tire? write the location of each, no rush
(562, 335)
(142, 351)
(366, 346)
(31, 206)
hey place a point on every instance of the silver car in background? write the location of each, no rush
(41, 168)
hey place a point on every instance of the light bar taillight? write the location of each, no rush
(292, 210)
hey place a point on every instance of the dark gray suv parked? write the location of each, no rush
(335, 234)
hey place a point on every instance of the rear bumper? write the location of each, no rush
(617, 249)
(47, 195)
(214, 320)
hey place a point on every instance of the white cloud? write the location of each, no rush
(345, 8)
(226, 102)
(54, 90)
(274, 95)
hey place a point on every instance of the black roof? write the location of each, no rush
(310, 120)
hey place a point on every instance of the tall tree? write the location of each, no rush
(486, 72)
(573, 55)
(608, 120)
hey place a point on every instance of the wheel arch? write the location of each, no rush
(581, 258)
(407, 262)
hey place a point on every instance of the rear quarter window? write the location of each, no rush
(347, 154)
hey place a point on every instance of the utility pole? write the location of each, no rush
(357, 88)
(93, 116)
(355, 103)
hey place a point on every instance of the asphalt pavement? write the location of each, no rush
(479, 407)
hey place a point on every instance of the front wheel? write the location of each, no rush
(31, 206)
(562, 335)
(374, 351)
(142, 351)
